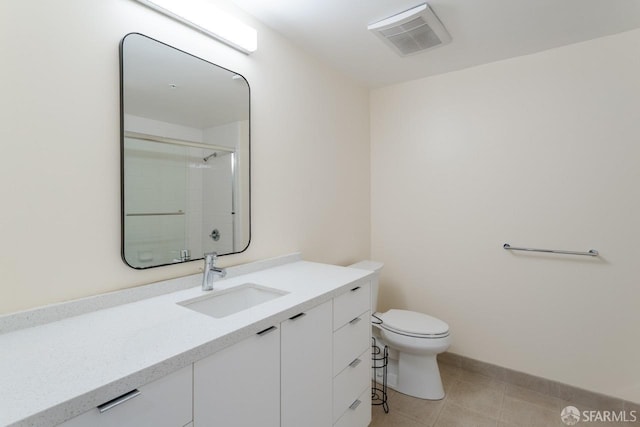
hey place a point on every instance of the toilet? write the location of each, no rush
(414, 340)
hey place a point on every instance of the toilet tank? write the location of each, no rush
(374, 266)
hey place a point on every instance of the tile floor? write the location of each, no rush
(474, 400)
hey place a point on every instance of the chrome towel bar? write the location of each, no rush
(591, 252)
(155, 213)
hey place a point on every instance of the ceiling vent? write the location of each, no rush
(413, 31)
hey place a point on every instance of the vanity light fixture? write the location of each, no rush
(205, 17)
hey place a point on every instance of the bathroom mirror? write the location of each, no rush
(184, 155)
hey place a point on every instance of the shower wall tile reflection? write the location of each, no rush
(186, 196)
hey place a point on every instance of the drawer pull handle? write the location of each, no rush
(356, 320)
(118, 400)
(355, 363)
(355, 404)
(266, 331)
(297, 316)
(355, 289)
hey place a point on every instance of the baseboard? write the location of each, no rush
(572, 395)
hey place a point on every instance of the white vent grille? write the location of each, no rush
(415, 30)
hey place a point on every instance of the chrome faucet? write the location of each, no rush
(211, 271)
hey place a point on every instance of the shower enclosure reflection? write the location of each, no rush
(185, 156)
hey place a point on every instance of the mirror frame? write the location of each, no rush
(122, 149)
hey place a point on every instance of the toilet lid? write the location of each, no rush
(414, 323)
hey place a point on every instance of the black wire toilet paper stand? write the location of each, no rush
(379, 362)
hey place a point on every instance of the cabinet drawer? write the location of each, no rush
(166, 402)
(351, 304)
(359, 412)
(349, 383)
(350, 341)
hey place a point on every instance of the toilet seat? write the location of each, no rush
(413, 324)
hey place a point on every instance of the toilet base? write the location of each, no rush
(419, 376)
(413, 375)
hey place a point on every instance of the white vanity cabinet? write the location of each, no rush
(166, 402)
(239, 385)
(352, 358)
(306, 368)
(312, 371)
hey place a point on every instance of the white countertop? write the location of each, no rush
(52, 372)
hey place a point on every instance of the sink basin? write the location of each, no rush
(230, 301)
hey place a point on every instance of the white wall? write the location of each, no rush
(538, 151)
(60, 172)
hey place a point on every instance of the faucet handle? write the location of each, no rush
(210, 256)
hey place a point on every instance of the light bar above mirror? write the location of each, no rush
(208, 19)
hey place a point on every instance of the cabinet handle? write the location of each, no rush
(355, 289)
(355, 404)
(266, 331)
(118, 400)
(297, 316)
(354, 321)
(355, 363)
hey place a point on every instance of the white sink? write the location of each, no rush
(230, 301)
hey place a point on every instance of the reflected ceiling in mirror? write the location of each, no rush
(185, 150)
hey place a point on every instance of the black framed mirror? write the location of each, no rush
(185, 155)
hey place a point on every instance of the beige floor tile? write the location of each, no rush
(394, 419)
(424, 411)
(376, 411)
(630, 406)
(478, 397)
(391, 393)
(453, 415)
(448, 370)
(448, 374)
(543, 400)
(526, 414)
(476, 400)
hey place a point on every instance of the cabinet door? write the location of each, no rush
(162, 403)
(306, 368)
(239, 385)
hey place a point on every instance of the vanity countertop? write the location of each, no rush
(57, 370)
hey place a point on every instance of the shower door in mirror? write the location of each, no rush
(185, 156)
